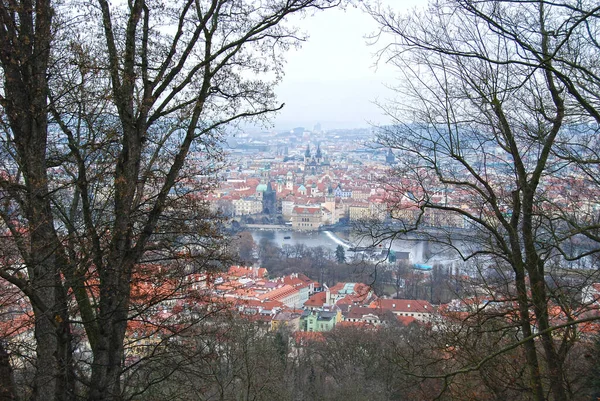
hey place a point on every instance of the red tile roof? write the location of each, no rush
(403, 305)
(316, 300)
(279, 294)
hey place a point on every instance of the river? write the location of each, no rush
(416, 250)
(419, 251)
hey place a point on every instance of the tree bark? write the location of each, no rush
(530, 349)
(24, 57)
(7, 384)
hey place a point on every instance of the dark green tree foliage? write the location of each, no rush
(340, 254)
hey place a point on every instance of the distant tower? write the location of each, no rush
(339, 191)
(330, 204)
(318, 155)
(269, 200)
(390, 158)
(309, 161)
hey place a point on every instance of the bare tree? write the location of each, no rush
(111, 121)
(245, 246)
(493, 130)
(26, 34)
(231, 358)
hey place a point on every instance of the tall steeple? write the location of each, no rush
(269, 187)
(269, 200)
(390, 158)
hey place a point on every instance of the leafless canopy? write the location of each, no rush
(495, 125)
(111, 120)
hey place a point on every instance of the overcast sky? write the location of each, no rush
(333, 78)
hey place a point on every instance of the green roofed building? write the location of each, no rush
(315, 320)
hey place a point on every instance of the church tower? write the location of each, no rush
(289, 181)
(307, 156)
(269, 200)
(330, 204)
(318, 156)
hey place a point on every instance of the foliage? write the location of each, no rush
(340, 254)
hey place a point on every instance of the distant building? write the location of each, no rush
(314, 164)
(269, 200)
(352, 293)
(330, 206)
(246, 206)
(319, 320)
(287, 208)
(286, 294)
(306, 218)
(339, 192)
(361, 314)
(417, 308)
(291, 320)
(390, 158)
(289, 181)
(359, 211)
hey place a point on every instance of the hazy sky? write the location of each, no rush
(333, 79)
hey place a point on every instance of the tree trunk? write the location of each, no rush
(530, 351)
(109, 351)
(7, 386)
(27, 34)
(52, 332)
(553, 362)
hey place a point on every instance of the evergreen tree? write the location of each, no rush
(340, 254)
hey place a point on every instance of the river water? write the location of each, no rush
(285, 237)
(419, 251)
